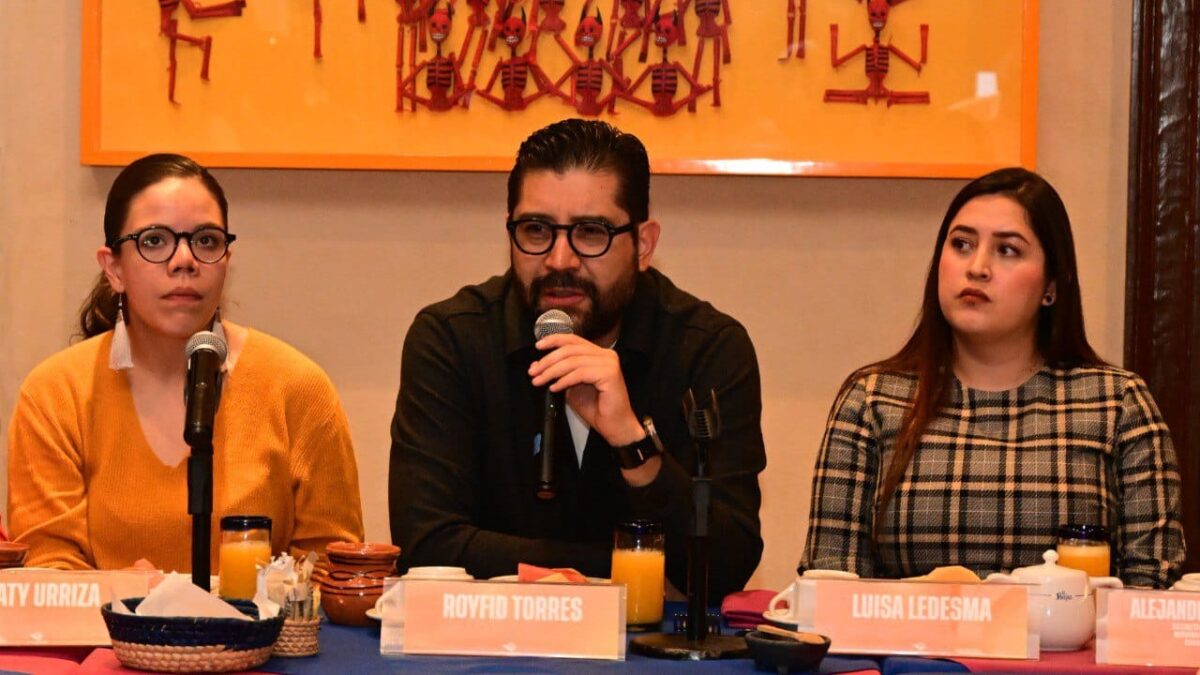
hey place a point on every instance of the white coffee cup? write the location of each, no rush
(800, 596)
(435, 572)
(391, 602)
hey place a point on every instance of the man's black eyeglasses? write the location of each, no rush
(158, 243)
(588, 238)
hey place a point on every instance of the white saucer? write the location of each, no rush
(374, 613)
(779, 617)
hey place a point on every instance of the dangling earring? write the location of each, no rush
(120, 356)
(219, 331)
(1048, 299)
(217, 328)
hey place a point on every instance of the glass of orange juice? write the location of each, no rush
(1084, 547)
(639, 562)
(245, 544)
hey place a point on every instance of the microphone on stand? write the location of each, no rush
(704, 426)
(206, 352)
(701, 638)
(551, 322)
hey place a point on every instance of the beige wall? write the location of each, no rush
(825, 273)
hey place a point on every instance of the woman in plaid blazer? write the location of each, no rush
(996, 423)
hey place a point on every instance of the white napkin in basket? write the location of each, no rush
(178, 596)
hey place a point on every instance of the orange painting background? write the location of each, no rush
(270, 103)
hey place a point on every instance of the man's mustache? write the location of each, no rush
(561, 280)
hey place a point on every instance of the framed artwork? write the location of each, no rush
(927, 88)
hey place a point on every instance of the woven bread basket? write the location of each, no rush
(191, 644)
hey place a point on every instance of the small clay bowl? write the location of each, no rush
(355, 558)
(355, 551)
(779, 654)
(12, 554)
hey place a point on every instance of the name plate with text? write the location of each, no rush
(924, 619)
(54, 608)
(1148, 628)
(479, 618)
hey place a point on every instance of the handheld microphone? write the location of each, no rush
(206, 353)
(551, 322)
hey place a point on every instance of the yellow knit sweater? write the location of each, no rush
(86, 491)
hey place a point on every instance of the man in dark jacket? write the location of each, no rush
(466, 436)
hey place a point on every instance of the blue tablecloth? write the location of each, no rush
(356, 650)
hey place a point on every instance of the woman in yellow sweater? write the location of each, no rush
(96, 477)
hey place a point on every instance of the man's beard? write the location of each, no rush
(606, 308)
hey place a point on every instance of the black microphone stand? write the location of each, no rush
(701, 639)
(198, 435)
(200, 499)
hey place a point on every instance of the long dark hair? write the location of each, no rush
(1061, 339)
(99, 311)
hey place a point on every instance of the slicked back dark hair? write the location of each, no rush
(590, 145)
(99, 311)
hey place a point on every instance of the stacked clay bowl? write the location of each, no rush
(12, 554)
(355, 580)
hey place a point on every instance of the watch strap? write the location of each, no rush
(639, 452)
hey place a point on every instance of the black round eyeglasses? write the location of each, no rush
(158, 243)
(588, 238)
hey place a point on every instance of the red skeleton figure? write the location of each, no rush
(632, 24)
(317, 20)
(797, 20)
(443, 78)
(627, 14)
(514, 71)
(411, 16)
(587, 75)
(552, 22)
(664, 76)
(169, 26)
(477, 21)
(505, 9)
(877, 61)
(710, 28)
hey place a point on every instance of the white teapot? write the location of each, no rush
(1062, 610)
